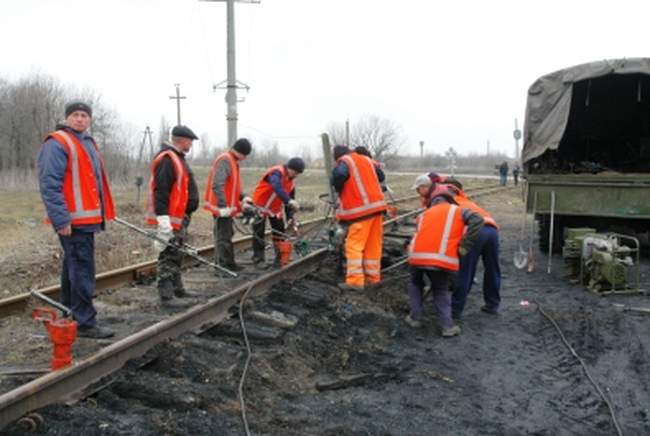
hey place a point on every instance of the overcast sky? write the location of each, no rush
(451, 73)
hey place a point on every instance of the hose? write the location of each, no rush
(584, 367)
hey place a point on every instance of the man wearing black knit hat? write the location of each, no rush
(78, 202)
(223, 198)
(274, 197)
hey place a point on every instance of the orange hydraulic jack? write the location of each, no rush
(62, 333)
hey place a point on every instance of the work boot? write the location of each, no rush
(94, 332)
(490, 310)
(348, 287)
(415, 323)
(175, 303)
(180, 291)
(450, 331)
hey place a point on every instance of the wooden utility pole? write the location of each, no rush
(178, 99)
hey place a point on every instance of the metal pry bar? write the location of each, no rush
(67, 312)
(178, 247)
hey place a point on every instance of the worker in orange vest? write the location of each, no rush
(173, 197)
(360, 207)
(274, 198)
(223, 198)
(78, 202)
(445, 232)
(487, 249)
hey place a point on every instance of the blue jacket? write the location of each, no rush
(275, 179)
(52, 162)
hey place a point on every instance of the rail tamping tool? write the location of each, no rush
(61, 332)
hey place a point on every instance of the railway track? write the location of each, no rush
(54, 386)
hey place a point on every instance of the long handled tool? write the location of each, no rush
(183, 248)
(531, 259)
(520, 258)
(67, 312)
(550, 234)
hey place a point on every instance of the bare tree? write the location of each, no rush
(383, 137)
(33, 105)
(336, 132)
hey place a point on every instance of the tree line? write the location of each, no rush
(32, 106)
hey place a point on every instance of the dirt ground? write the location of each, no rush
(508, 374)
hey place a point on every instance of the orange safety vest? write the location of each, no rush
(178, 196)
(466, 203)
(361, 195)
(438, 235)
(265, 197)
(80, 189)
(232, 189)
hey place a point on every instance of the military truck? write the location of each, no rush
(587, 139)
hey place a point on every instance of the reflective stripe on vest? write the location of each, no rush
(368, 206)
(76, 180)
(210, 198)
(76, 188)
(440, 255)
(176, 212)
(273, 204)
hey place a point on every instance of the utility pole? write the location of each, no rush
(139, 180)
(231, 84)
(421, 149)
(347, 132)
(147, 133)
(178, 99)
(517, 135)
(488, 147)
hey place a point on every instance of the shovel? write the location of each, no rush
(520, 259)
(531, 259)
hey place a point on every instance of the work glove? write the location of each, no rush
(226, 212)
(248, 207)
(294, 225)
(293, 204)
(248, 200)
(462, 251)
(165, 232)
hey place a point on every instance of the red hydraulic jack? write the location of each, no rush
(62, 332)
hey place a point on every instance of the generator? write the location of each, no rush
(603, 262)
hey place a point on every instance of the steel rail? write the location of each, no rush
(132, 273)
(53, 386)
(58, 384)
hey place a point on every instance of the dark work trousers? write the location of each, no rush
(439, 285)
(224, 254)
(78, 276)
(486, 248)
(170, 261)
(259, 228)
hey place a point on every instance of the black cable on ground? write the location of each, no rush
(584, 367)
(249, 356)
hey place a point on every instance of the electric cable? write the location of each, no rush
(584, 367)
(249, 357)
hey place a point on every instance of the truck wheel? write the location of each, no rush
(544, 226)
